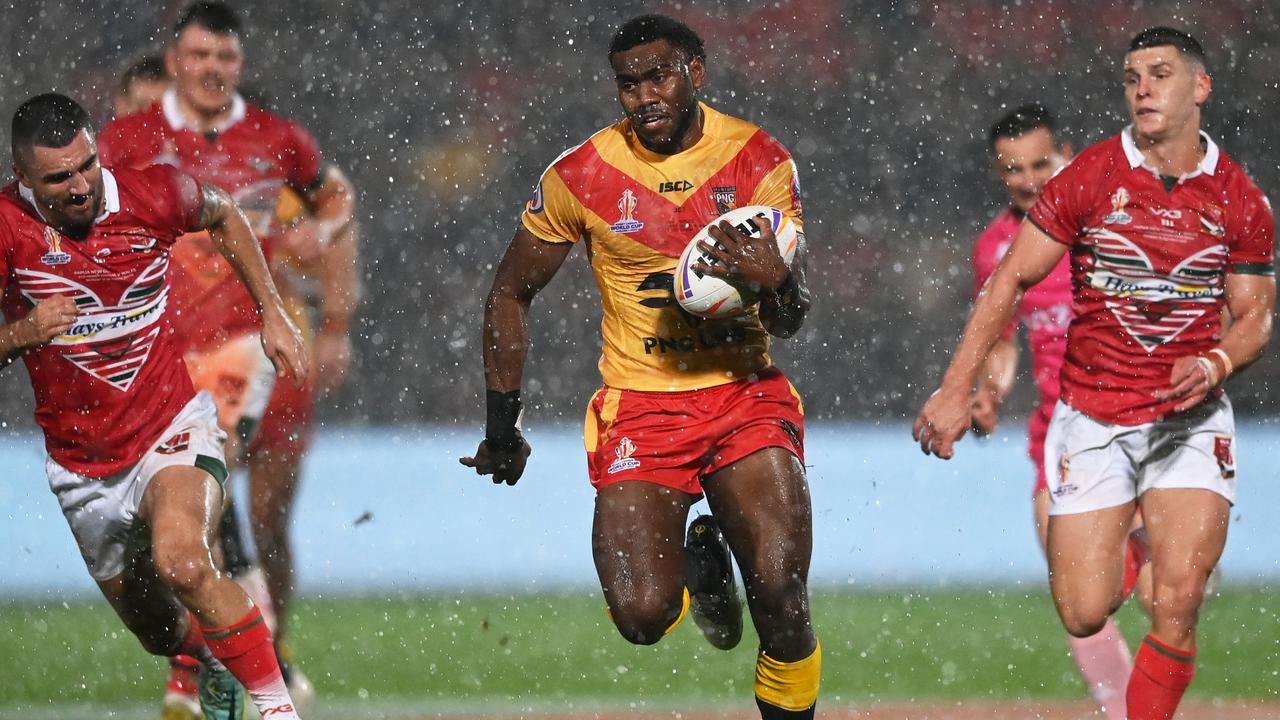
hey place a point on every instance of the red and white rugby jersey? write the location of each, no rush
(252, 157)
(1045, 310)
(638, 209)
(107, 388)
(1149, 267)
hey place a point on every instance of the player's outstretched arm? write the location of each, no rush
(946, 416)
(231, 234)
(526, 268)
(1252, 301)
(47, 320)
(756, 264)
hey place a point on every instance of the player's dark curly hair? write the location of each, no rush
(49, 120)
(647, 28)
(216, 17)
(1021, 121)
(1161, 36)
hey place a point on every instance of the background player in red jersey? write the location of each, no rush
(707, 413)
(142, 85)
(135, 455)
(204, 126)
(1165, 232)
(1025, 154)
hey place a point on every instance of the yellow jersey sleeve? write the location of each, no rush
(553, 213)
(780, 188)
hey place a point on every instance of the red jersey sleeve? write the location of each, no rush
(303, 156)
(1251, 237)
(1061, 211)
(178, 199)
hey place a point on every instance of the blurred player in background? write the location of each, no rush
(689, 406)
(1025, 154)
(142, 85)
(204, 126)
(135, 454)
(1166, 235)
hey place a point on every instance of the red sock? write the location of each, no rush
(1160, 675)
(246, 649)
(182, 676)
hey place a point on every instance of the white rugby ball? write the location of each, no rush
(712, 297)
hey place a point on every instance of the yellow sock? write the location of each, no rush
(684, 610)
(790, 686)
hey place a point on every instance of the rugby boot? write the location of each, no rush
(182, 691)
(221, 697)
(713, 592)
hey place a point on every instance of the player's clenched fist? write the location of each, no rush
(505, 464)
(51, 318)
(942, 422)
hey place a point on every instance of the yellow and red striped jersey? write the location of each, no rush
(637, 210)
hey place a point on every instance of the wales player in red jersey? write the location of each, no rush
(203, 125)
(1166, 234)
(1025, 154)
(135, 455)
(689, 406)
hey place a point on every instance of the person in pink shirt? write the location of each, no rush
(1025, 154)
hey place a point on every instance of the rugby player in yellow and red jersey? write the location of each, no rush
(689, 406)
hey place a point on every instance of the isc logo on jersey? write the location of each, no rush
(712, 297)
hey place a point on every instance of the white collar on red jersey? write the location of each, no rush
(110, 197)
(1208, 164)
(178, 121)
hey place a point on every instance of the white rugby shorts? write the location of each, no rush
(1091, 465)
(102, 511)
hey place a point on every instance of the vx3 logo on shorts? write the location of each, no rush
(623, 453)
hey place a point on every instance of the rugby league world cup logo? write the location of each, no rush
(55, 256)
(627, 207)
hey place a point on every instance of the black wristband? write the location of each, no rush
(789, 286)
(502, 412)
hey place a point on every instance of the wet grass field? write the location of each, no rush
(557, 650)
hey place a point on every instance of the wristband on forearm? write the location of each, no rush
(789, 287)
(502, 420)
(1227, 366)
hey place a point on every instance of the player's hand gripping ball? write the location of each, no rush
(712, 297)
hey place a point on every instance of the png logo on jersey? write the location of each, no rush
(623, 453)
(627, 223)
(725, 197)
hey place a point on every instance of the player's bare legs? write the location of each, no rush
(762, 505)
(1086, 566)
(1187, 529)
(1103, 658)
(179, 511)
(273, 483)
(637, 540)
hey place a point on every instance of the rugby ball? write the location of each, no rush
(711, 297)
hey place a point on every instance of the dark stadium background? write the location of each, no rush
(444, 114)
